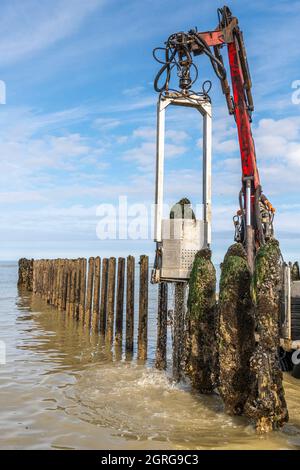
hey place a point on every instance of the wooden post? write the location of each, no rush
(69, 288)
(53, 282)
(50, 271)
(103, 303)
(45, 280)
(73, 289)
(65, 285)
(77, 289)
(111, 300)
(61, 284)
(130, 304)
(48, 282)
(120, 303)
(178, 329)
(96, 294)
(56, 284)
(162, 317)
(83, 264)
(89, 293)
(143, 309)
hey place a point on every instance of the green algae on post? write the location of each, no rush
(200, 357)
(235, 330)
(266, 404)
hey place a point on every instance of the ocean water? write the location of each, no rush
(61, 389)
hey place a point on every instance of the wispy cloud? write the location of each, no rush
(31, 26)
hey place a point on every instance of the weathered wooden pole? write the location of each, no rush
(49, 295)
(111, 300)
(130, 305)
(162, 318)
(65, 285)
(33, 276)
(89, 294)
(143, 309)
(45, 281)
(96, 295)
(77, 289)
(61, 284)
(103, 302)
(73, 289)
(83, 264)
(56, 283)
(120, 303)
(68, 298)
(52, 282)
(178, 329)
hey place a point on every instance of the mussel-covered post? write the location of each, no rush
(82, 272)
(143, 309)
(266, 404)
(162, 318)
(111, 300)
(236, 338)
(120, 302)
(103, 300)
(201, 324)
(130, 304)
(178, 329)
(96, 294)
(89, 293)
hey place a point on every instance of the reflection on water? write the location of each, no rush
(61, 389)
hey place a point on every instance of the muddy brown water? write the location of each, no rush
(59, 389)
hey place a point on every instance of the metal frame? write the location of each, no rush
(203, 105)
(289, 290)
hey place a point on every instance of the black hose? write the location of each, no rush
(217, 65)
(166, 67)
(258, 222)
(179, 44)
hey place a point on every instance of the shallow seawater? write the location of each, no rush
(60, 389)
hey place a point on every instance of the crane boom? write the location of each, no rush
(254, 220)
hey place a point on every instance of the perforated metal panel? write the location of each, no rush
(182, 239)
(295, 310)
(187, 258)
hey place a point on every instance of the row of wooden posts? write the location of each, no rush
(93, 292)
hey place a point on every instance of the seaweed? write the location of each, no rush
(266, 403)
(235, 333)
(201, 316)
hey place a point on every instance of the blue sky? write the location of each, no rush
(78, 129)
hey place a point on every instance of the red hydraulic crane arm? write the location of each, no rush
(242, 104)
(254, 220)
(247, 148)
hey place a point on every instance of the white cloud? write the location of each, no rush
(28, 27)
(146, 133)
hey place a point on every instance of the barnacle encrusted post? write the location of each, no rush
(235, 330)
(25, 279)
(266, 404)
(200, 358)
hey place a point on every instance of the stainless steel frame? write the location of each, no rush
(176, 252)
